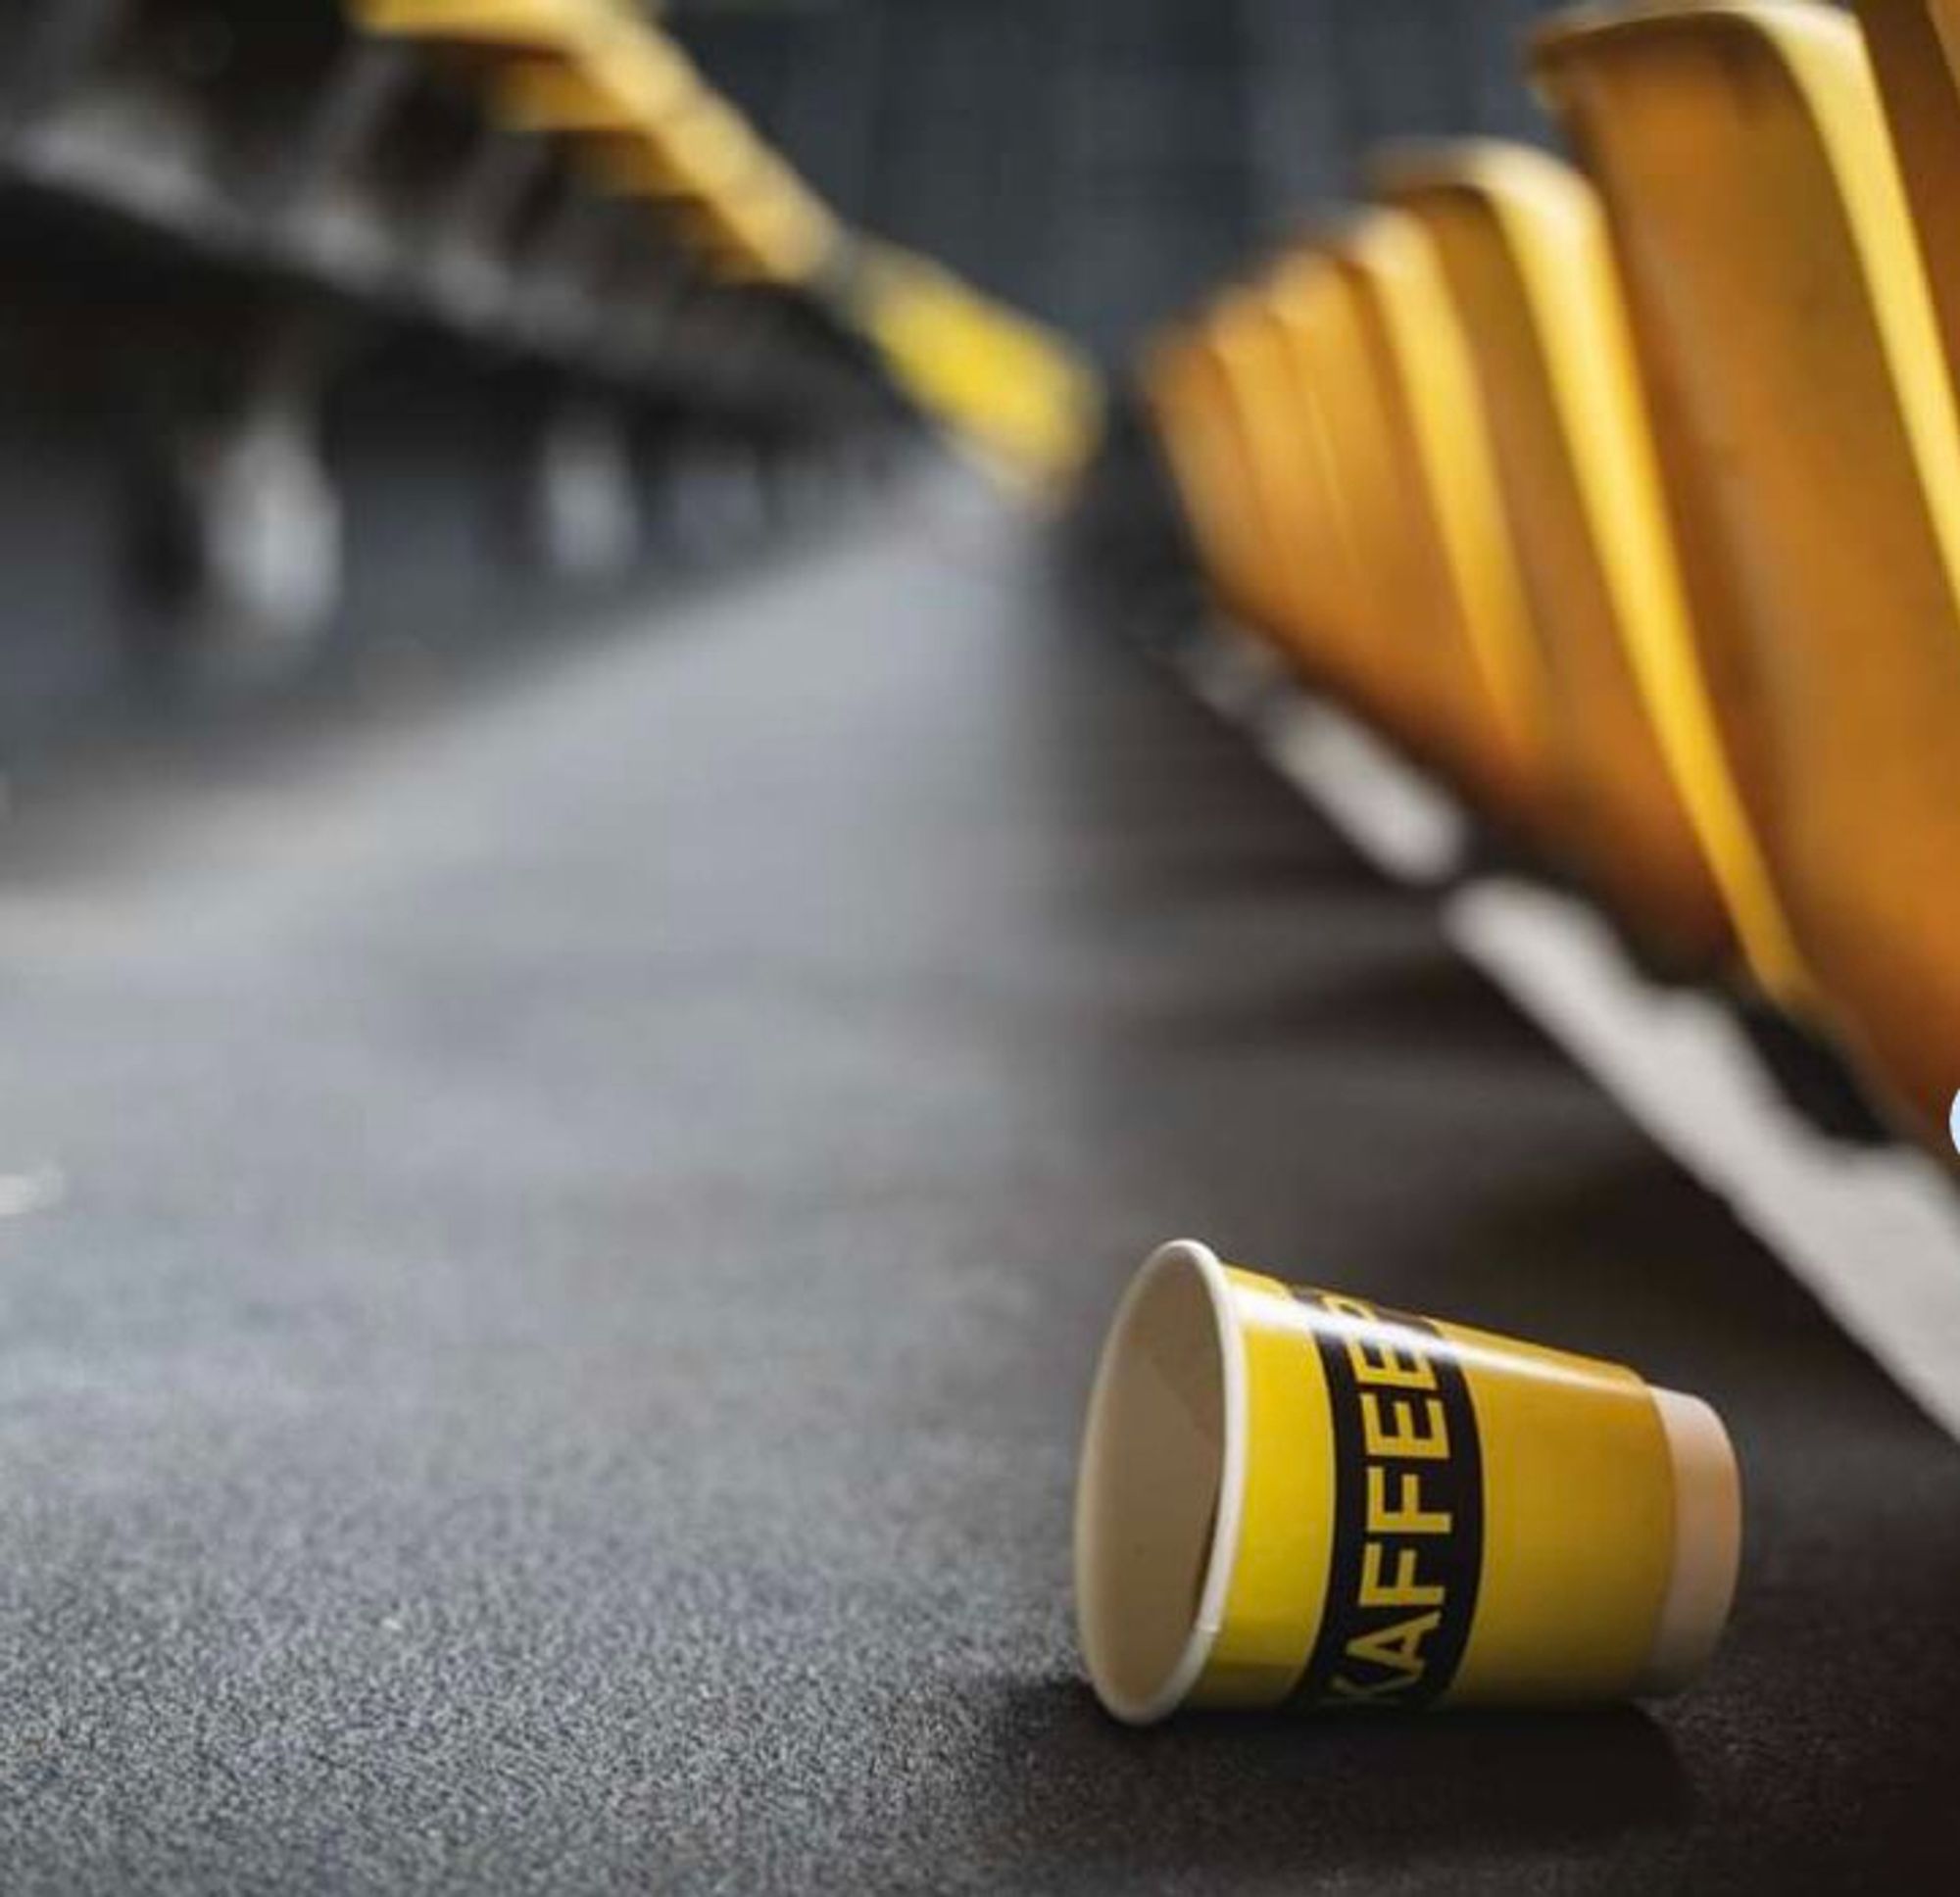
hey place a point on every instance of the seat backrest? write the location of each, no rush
(1915, 49)
(1809, 438)
(1381, 594)
(652, 127)
(1305, 297)
(498, 25)
(1254, 349)
(1522, 248)
(1448, 530)
(1183, 382)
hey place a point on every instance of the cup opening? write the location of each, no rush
(1162, 1477)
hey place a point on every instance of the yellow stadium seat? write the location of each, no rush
(1449, 610)
(656, 130)
(1523, 247)
(591, 70)
(494, 25)
(702, 160)
(1258, 363)
(1191, 405)
(1011, 389)
(641, 79)
(1915, 46)
(1379, 595)
(1808, 433)
(1300, 298)
(1257, 598)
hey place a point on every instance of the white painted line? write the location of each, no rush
(1394, 815)
(1873, 1233)
(1397, 818)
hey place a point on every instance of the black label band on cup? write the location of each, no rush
(1408, 1509)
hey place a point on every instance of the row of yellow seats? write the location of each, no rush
(1630, 496)
(594, 72)
(1026, 402)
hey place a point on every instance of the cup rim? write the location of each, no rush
(1144, 1708)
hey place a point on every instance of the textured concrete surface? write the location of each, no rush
(552, 1250)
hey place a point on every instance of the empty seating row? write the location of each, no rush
(552, 176)
(1627, 494)
(589, 71)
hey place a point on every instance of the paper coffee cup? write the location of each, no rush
(1294, 1497)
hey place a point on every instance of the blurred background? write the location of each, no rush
(270, 403)
(1102, 163)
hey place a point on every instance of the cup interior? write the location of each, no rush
(1153, 1489)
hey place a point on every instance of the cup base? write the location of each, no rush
(1707, 1544)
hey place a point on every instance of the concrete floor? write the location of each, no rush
(551, 1251)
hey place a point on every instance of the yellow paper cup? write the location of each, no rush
(1298, 1498)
